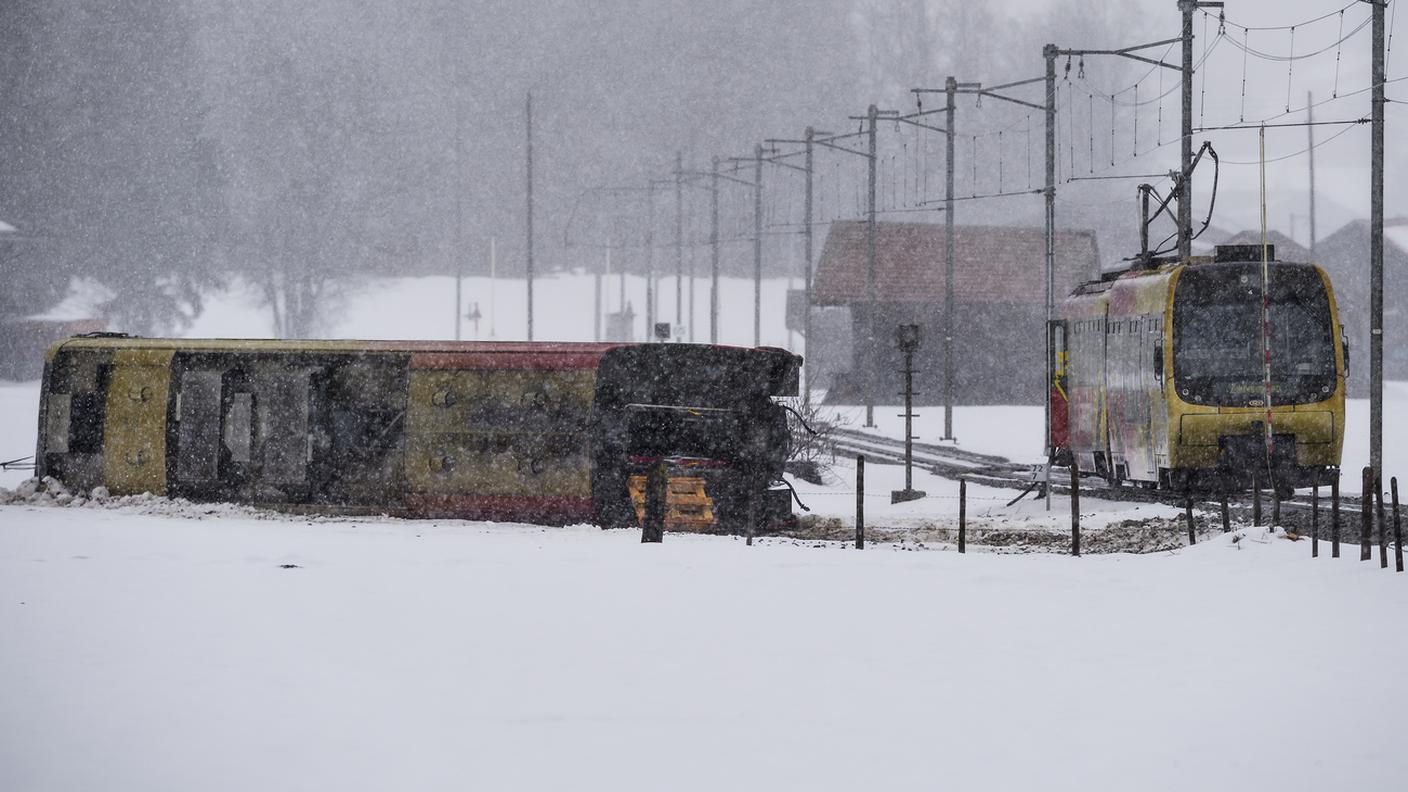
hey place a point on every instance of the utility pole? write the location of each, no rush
(871, 350)
(951, 93)
(529, 107)
(809, 137)
(952, 87)
(1310, 139)
(757, 244)
(809, 141)
(456, 184)
(1050, 51)
(714, 253)
(1376, 250)
(1185, 144)
(679, 239)
(650, 261)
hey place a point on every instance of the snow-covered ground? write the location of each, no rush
(152, 645)
(155, 653)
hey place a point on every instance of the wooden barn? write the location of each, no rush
(999, 308)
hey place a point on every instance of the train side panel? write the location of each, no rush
(1138, 408)
(501, 437)
(1084, 316)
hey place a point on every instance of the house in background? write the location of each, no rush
(999, 309)
(1345, 256)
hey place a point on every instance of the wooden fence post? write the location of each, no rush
(1075, 508)
(1398, 529)
(963, 515)
(1366, 512)
(1226, 518)
(860, 501)
(1315, 521)
(1383, 523)
(1335, 516)
(1256, 499)
(1275, 507)
(653, 529)
(1188, 513)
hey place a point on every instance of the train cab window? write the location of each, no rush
(1217, 335)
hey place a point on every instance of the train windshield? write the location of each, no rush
(1217, 335)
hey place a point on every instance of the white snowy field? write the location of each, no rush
(159, 646)
(150, 653)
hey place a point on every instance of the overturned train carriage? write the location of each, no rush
(1160, 375)
(548, 433)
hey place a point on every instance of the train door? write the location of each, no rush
(134, 443)
(1059, 442)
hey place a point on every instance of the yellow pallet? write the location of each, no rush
(687, 506)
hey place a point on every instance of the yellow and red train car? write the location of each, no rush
(1161, 375)
(547, 432)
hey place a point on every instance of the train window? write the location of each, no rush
(283, 426)
(87, 412)
(1217, 335)
(198, 432)
(56, 417)
(239, 426)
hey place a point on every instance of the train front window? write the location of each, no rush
(1217, 335)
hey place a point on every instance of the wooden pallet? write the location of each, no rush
(687, 506)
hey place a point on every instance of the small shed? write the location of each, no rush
(999, 307)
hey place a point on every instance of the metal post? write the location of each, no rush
(530, 215)
(1383, 524)
(1310, 149)
(1366, 512)
(908, 420)
(650, 261)
(656, 494)
(1315, 521)
(1185, 145)
(1335, 516)
(1376, 248)
(1049, 51)
(962, 515)
(1188, 513)
(596, 298)
(456, 185)
(860, 502)
(950, 89)
(1397, 529)
(1075, 510)
(679, 239)
(758, 245)
(871, 348)
(714, 254)
(807, 276)
(1256, 499)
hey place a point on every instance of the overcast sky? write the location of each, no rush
(1342, 164)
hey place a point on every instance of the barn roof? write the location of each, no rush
(991, 263)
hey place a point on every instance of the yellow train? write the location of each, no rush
(549, 433)
(1160, 375)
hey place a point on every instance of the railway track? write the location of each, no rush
(1000, 472)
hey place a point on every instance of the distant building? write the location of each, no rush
(1345, 255)
(999, 307)
(24, 338)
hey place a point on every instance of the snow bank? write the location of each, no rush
(148, 653)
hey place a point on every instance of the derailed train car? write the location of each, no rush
(1160, 375)
(549, 433)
